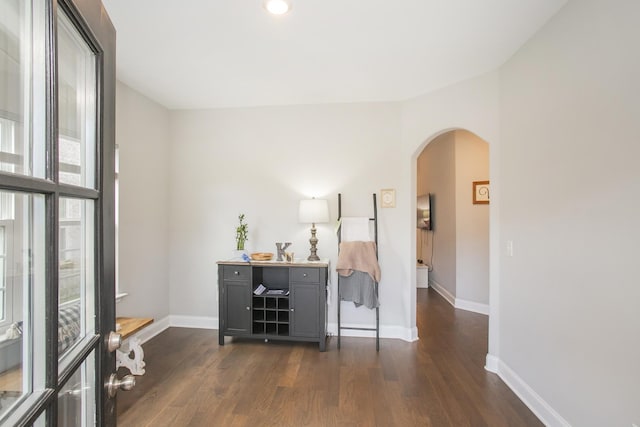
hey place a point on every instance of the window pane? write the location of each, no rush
(18, 154)
(21, 275)
(76, 272)
(77, 107)
(3, 272)
(76, 400)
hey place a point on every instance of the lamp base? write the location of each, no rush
(314, 241)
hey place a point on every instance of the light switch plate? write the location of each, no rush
(510, 248)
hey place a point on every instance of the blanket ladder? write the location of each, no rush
(375, 235)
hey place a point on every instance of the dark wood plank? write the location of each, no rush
(437, 381)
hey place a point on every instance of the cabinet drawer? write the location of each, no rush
(234, 272)
(305, 275)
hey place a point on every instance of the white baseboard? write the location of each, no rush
(442, 291)
(395, 332)
(152, 330)
(203, 322)
(173, 321)
(413, 334)
(462, 304)
(491, 363)
(198, 322)
(476, 307)
(547, 415)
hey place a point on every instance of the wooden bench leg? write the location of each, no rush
(136, 364)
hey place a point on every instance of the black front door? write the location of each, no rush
(57, 274)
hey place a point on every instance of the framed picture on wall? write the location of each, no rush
(481, 192)
(388, 197)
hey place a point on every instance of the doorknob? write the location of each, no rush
(114, 341)
(126, 383)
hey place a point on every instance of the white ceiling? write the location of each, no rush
(232, 53)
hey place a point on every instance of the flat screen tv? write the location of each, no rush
(425, 212)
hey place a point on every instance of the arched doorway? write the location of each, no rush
(453, 252)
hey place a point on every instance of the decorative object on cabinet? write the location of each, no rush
(281, 250)
(262, 256)
(273, 301)
(362, 284)
(314, 211)
(388, 197)
(241, 233)
(481, 192)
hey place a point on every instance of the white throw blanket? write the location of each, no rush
(354, 229)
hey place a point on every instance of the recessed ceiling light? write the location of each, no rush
(278, 7)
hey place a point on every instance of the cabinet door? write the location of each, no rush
(305, 310)
(237, 308)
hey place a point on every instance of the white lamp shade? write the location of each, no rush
(313, 211)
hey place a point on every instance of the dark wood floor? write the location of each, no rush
(436, 381)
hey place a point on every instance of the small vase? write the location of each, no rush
(240, 255)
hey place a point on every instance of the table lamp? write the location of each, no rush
(314, 211)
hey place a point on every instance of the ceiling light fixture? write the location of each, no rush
(277, 7)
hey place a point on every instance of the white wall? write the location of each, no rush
(570, 114)
(142, 135)
(261, 162)
(472, 221)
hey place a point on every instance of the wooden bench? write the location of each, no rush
(128, 326)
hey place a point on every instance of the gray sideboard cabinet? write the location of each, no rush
(293, 307)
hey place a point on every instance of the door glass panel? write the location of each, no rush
(76, 272)
(76, 400)
(17, 153)
(41, 421)
(77, 107)
(21, 275)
